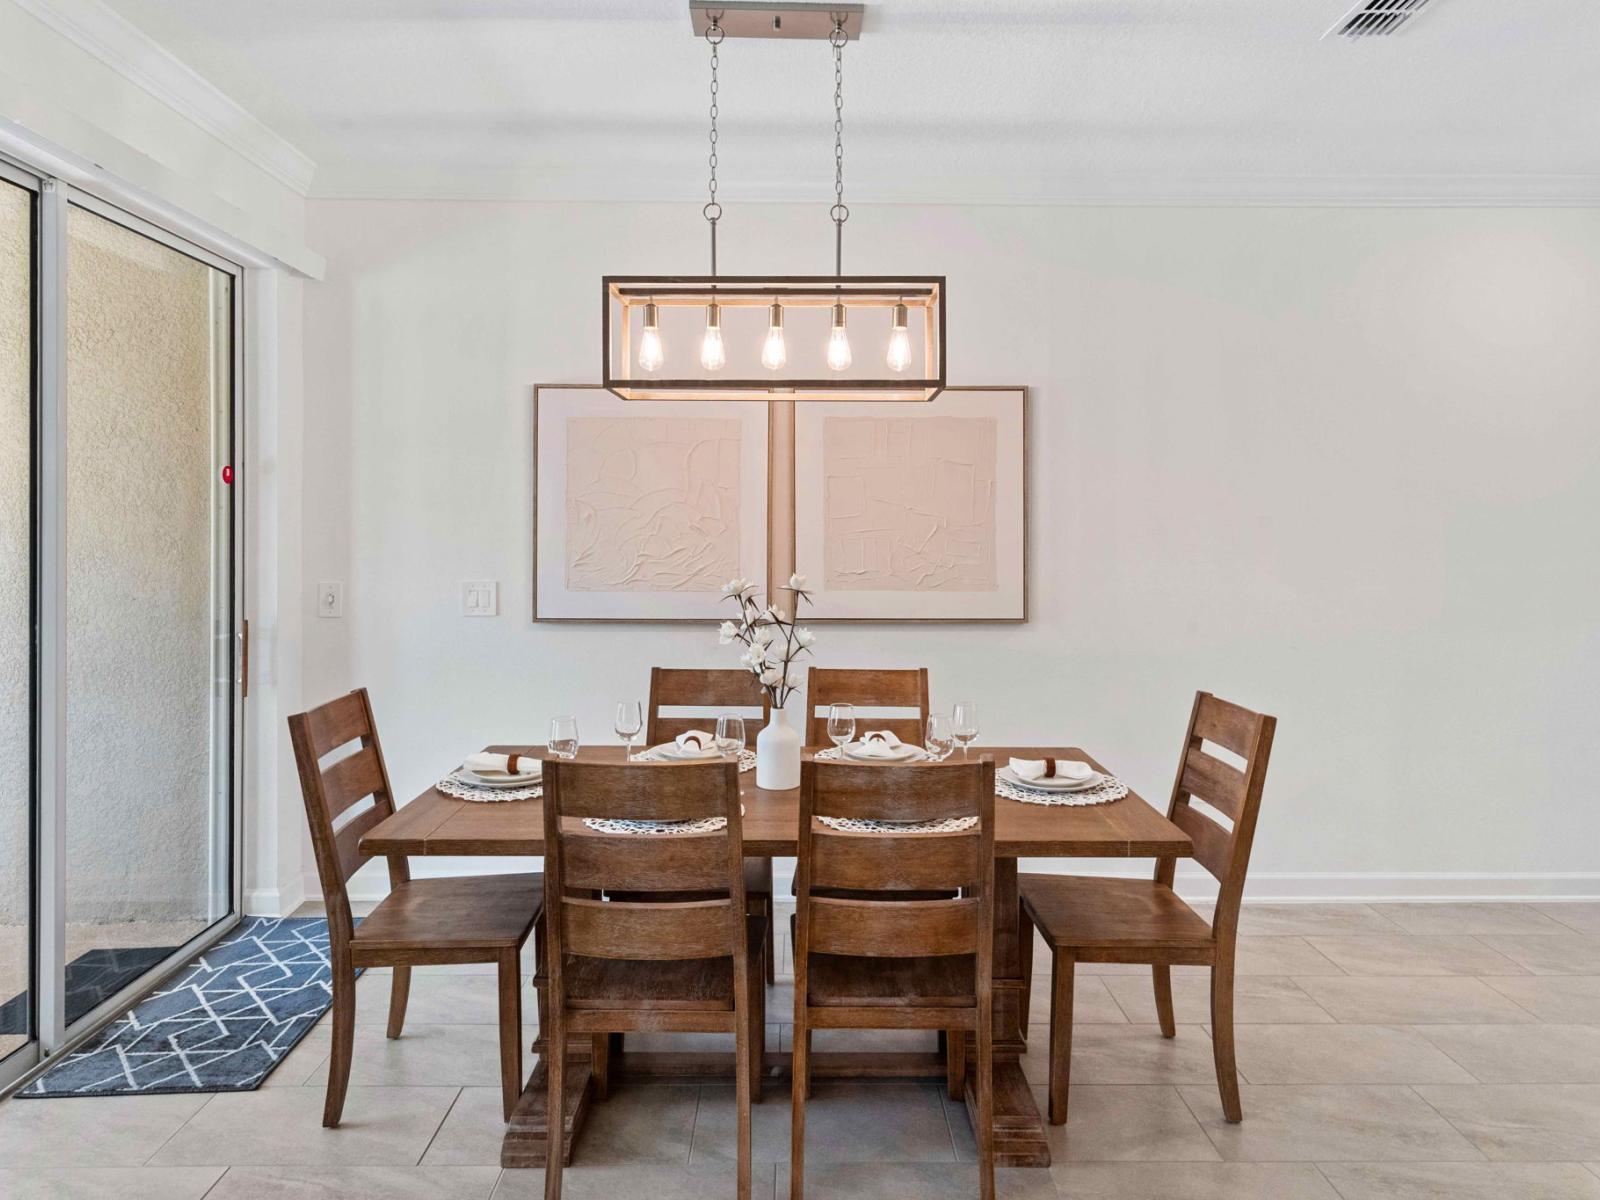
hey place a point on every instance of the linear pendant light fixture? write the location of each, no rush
(781, 337)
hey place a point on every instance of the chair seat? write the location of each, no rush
(678, 984)
(464, 912)
(1086, 913)
(846, 981)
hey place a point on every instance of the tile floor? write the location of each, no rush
(1387, 1052)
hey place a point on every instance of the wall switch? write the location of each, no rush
(330, 598)
(480, 598)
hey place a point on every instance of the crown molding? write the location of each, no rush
(144, 62)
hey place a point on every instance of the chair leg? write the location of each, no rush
(1025, 937)
(399, 992)
(758, 1038)
(1163, 981)
(510, 1030)
(344, 1034)
(772, 943)
(985, 1088)
(555, 1061)
(798, 1087)
(955, 1063)
(1062, 973)
(600, 1065)
(1222, 1038)
(743, 1054)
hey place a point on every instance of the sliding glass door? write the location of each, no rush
(119, 640)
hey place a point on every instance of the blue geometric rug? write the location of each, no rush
(221, 1026)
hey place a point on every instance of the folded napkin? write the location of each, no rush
(877, 743)
(697, 741)
(509, 764)
(1069, 769)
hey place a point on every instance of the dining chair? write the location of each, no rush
(667, 965)
(902, 689)
(1101, 920)
(421, 922)
(711, 693)
(866, 957)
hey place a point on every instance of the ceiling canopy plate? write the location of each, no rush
(741, 18)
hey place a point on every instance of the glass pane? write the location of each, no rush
(148, 527)
(16, 578)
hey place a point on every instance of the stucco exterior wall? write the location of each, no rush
(15, 334)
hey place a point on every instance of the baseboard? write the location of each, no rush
(275, 902)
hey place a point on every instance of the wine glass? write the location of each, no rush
(940, 739)
(841, 724)
(730, 733)
(628, 722)
(563, 741)
(964, 723)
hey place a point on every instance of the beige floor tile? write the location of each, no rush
(1126, 1124)
(1520, 1053)
(1583, 916)
(1257, 999)
(913, 1181)
(92, 1130)
(1330, 1054)
(109, 1183)
(1406, 954)
(381, 1127)
(438, 1000)
(1316, 1124)
(1125, 1054)
(426, 1056)
(1431, 1000)
(1548, 953)
(1274, 956)
(1191, 1181)
(846, 1121)
(1306, 919)
(639, 1124)
(1527, 1122)
(1558, 999)
(302, 1062)
(1469, 918)
(638, 1183)
(356, 1183)
(1461, 1181)
(472, 1133)
(1092, 1002)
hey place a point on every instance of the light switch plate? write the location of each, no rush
(330, 598)
(480, 598)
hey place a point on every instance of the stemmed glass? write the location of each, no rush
(940, 740)
(563, 741)
(841, 724)
(964, 723)
(730, 733)
(628, 722)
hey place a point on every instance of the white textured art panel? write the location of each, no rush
(909, 503)
(652, 503)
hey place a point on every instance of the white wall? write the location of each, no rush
(1340, 465)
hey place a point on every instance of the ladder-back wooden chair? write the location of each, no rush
(711, 693)
(901, 689)
(1086, 919)
(866, 957)
(669, 965)
(466, 919)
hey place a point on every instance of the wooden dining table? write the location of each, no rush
(437, 824)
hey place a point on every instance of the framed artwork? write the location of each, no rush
(914, 512)
(643, 511)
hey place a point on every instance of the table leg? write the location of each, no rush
(527, 1133)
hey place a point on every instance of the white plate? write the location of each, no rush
(498, 780)
(1051, 785)
(673, 750)
(902, 753)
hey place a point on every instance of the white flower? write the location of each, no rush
(792, 674)
(776, 613)
(804, 637)
(738, 587)
(797, 582)
(726, 633)
(772, 676)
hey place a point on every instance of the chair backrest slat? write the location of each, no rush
(628, 929)
(906, 688)
(881, 792)
(894, 928)
(333, 724)
(648, 791)
(1235, 793)
(711, 691)
(348, 839)
(626, 862)
(863, 861)
(352, 779)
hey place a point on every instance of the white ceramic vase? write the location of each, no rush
(778, 754)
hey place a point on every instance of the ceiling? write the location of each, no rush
(1476, 101)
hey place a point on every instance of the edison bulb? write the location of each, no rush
(899, 357)
(838, 342)
(650, 355)
(773, 351)
(712, 355)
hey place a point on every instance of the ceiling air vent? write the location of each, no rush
(1377, 18)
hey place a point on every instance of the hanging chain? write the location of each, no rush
(838, 212)
(713, 211)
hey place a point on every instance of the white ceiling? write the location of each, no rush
(1004, 100)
